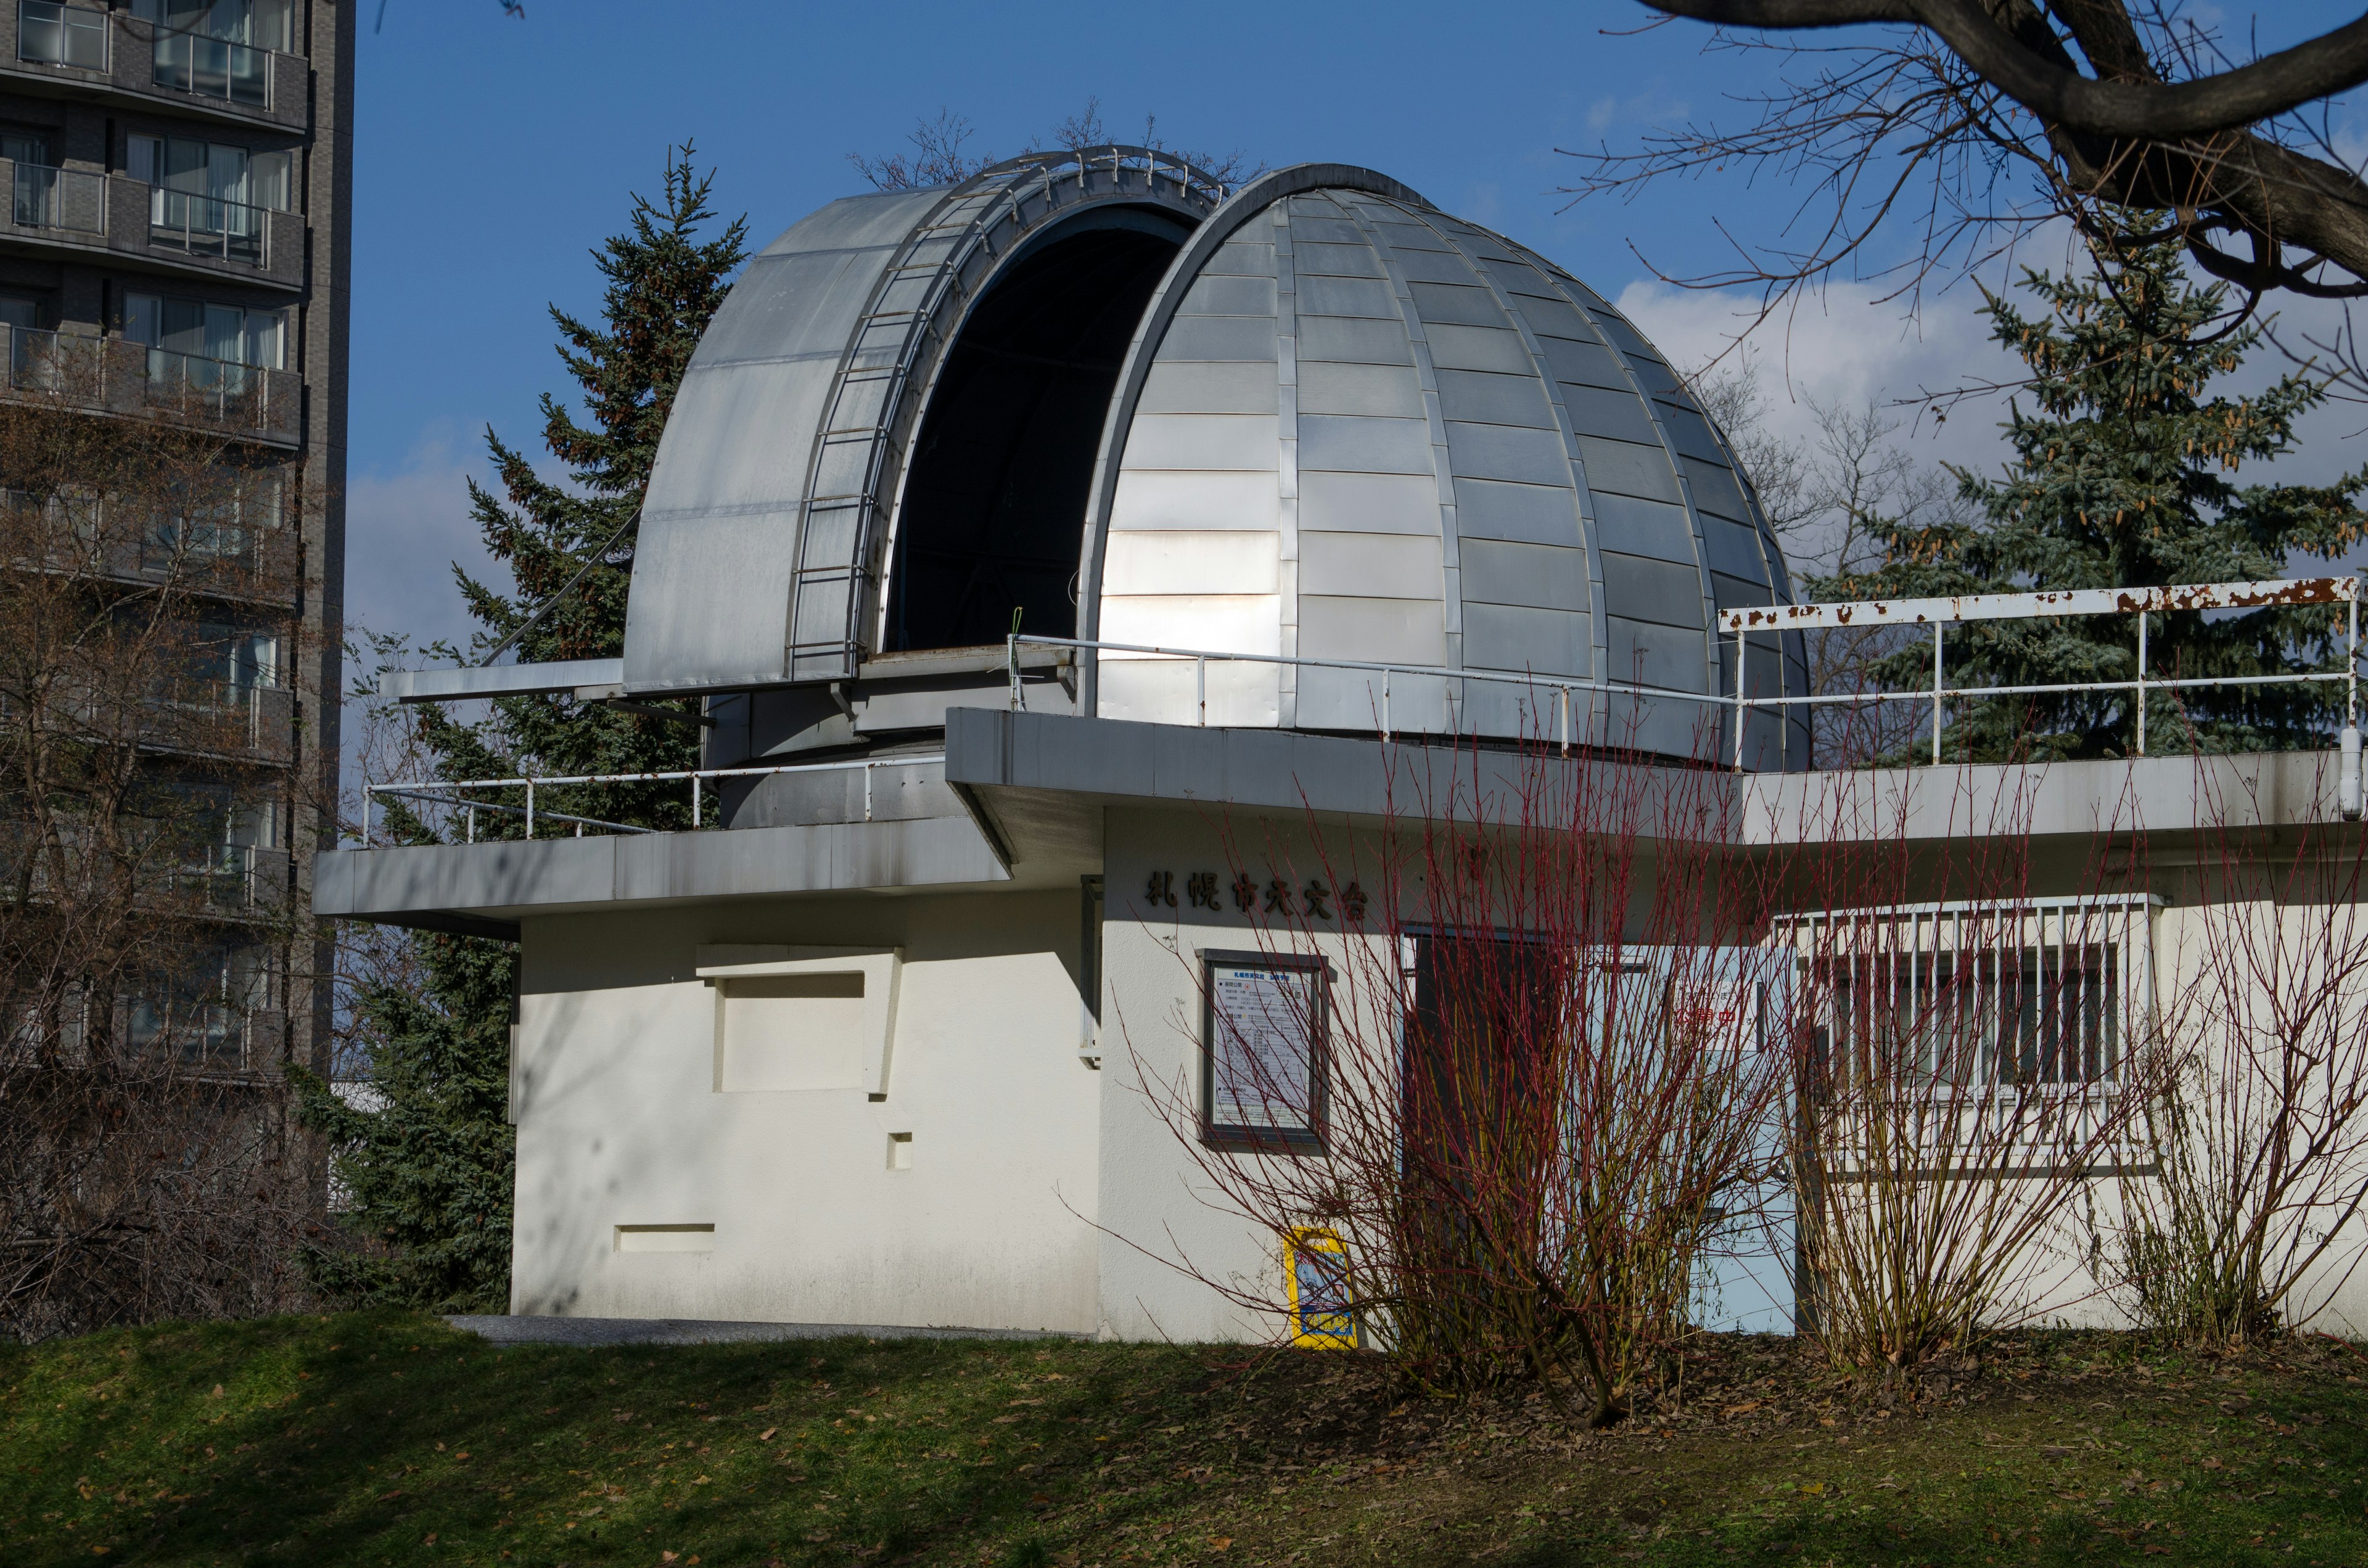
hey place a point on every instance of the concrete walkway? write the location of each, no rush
(696, 1331)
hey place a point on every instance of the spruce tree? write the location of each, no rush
(2123, 474)
(428, 1172)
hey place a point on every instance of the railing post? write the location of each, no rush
(473, 822)
(1739, 699)
(1011, 656)
(1562, 720)
(2142, 657)
(1201, 688)
(1936, 694)
(1385, 703)
(530, 808)
(2352, 659)
(370, 794)
(694, 799)
(867, 791)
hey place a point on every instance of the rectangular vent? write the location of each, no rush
(666, 1238)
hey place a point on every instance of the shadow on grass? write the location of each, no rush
(390, 1438)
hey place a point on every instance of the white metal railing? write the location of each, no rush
(441, 791)
(1561, 685)
(201, 224)
(213, 68)
(2140, 602)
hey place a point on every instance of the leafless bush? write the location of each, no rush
(2246, 1217)
(1543, 1103)
(1968, 1068)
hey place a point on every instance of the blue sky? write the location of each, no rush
(492, 154)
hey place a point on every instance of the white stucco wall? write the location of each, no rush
(1043, 1194)
(1169, 1231)
(620, 1122)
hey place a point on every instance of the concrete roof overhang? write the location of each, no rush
(1036, 787)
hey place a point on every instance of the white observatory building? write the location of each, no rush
(870, 1047)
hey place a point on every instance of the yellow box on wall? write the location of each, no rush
(1315, 1278)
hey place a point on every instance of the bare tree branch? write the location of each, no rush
(1971, 124)
(2044, 81)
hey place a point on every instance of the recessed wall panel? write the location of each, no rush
(1507, 573)
(1481, 397)
(1345, 297)
(1368, 565)
(1654, 654)
(1652, 590)
(1388, 390)
(1182, 561)
(1353, 340)
(1151, 499)
(1369, 502)
(1363, 445)
(1209, 387)
(1478, 348)
(1516, 637)
(1539, 514)
(1202, 441)
(1628, 468)
(1399, 632)
(1508, 453)
(1218, 337)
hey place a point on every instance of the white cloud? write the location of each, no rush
(403, 531)
(1849, 347)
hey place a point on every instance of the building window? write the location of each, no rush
(20, 314)
(52, 34)
(226, 333)
(1263, 1039)
(218, 49)
(1976, 997)
(208, 198)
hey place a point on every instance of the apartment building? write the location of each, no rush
(174, 236)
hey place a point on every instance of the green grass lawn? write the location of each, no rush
(385, 1439)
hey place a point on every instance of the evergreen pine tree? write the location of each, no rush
(2124, 476)
(428, 1172)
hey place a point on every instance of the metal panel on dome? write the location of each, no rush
(711, 567)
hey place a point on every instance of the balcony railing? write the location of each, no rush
(144, 60)
(85, 208)
(52, 34)
(211, 68)
(71, 200)
(204, 225)
(128, 378)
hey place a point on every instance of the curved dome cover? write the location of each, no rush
(1359, 429)
(763, 531)
(1348, 427)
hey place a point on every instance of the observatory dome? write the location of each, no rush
(1313, 419)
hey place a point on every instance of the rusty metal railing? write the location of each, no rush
(2144, 603)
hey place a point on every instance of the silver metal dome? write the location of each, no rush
(1317, 419)
(1356, 428)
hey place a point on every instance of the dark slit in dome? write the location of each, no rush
(995, 501)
